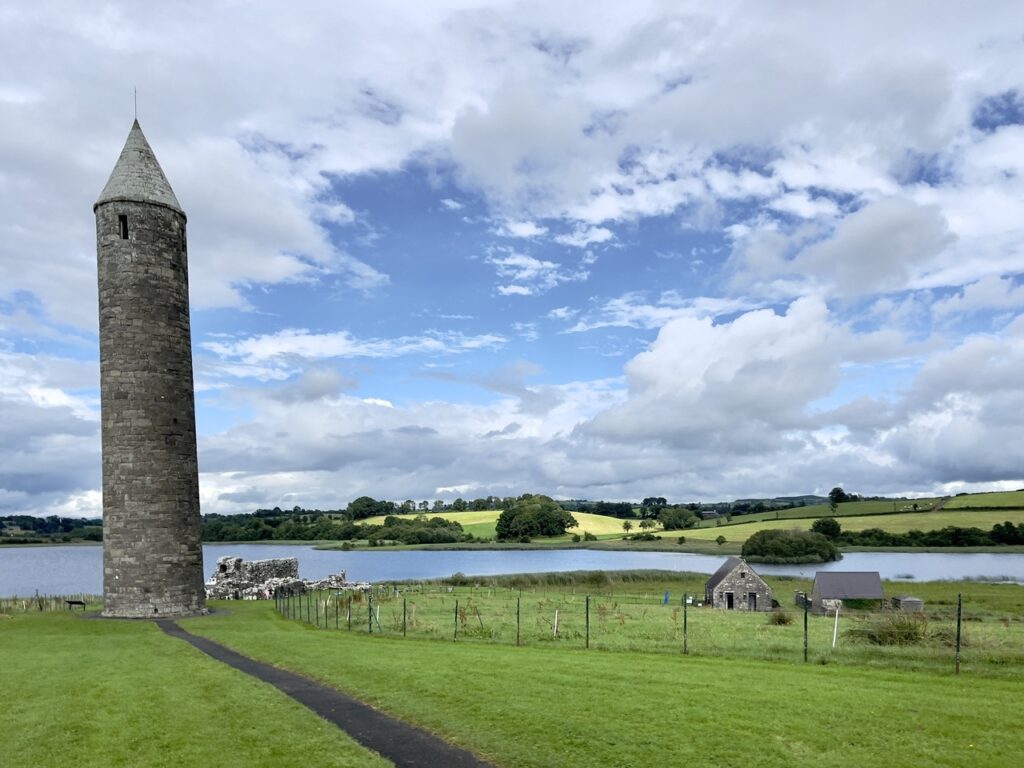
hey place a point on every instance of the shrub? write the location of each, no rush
(721, 540)
(894, 629)
(682, 539)
(575, 538)
(828, 527)
(780, 618)
(588, 536)
(792, 546)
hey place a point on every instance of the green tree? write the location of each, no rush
(533, 516)
(720, 540)
(828, 527)
(627, 526)
(836, 497)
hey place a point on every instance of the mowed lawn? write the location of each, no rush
(549, 706)
(900, 523)
(481, 524)
(97, 692)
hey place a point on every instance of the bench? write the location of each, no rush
(72, 603)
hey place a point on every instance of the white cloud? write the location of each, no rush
(991, 292)
(521, 229)
(301, 343)
(452, 205)
(529, 276)
(581, 237)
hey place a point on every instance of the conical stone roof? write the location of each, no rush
(137, 176)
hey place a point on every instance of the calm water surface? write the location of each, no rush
(67, 569)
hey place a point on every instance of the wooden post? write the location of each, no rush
(404, 613)
(686, 628)
(317, 602)
(337, 609)
(959, 606)
(369, 612)
(348, 614)
(455, 636)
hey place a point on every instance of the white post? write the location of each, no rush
(835, 629)
(554, 632)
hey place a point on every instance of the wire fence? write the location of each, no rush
(38, 603)
(946, 638)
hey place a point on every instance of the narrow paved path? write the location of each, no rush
(403, 744)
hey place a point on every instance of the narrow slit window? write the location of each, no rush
(122, 226)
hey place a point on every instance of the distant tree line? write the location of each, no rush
(950, 536)
(25, 529)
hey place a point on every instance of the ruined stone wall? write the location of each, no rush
(152, 553)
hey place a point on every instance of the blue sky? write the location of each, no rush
(602, 251)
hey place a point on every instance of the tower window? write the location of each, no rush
(122, 226)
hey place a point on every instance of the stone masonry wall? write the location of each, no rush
(742, 581)
(152, 553)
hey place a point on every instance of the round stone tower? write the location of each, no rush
(152, 550)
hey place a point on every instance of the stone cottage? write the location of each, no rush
(736, 587)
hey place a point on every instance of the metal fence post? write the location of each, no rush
(805, 628)
(959, 606)
(686, 628)
(588, 621)
(517, 619)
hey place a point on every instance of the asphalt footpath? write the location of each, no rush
(405, 745)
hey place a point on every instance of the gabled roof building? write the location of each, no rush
(736, 587)
(831, 588)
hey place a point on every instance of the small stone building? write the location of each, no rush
(908, 604)
(831, 588)
(736, 587)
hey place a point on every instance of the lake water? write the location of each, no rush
(67, 569)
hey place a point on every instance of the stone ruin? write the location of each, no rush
(238, 579)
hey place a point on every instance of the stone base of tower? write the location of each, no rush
(153, 607)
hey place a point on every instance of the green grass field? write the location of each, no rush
(740, 529)
(481, 524)
(1006, 499)
(632, 616)
(547, 705)
(102, 693)
(120, 693)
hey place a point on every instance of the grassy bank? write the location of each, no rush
(90, 692)
(577, 708)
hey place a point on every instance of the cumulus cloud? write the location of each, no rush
(880, 247)
(740, 384)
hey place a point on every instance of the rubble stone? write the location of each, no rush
(238, 579)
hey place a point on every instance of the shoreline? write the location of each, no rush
(617, 545)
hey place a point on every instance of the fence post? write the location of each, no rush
(337, 609)
(517, 619)
(959, 605)
(686, 628)
(369, 613)
(317, 604)
(403, 616)
(588, 621)
(456, 635)
(805, 628)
